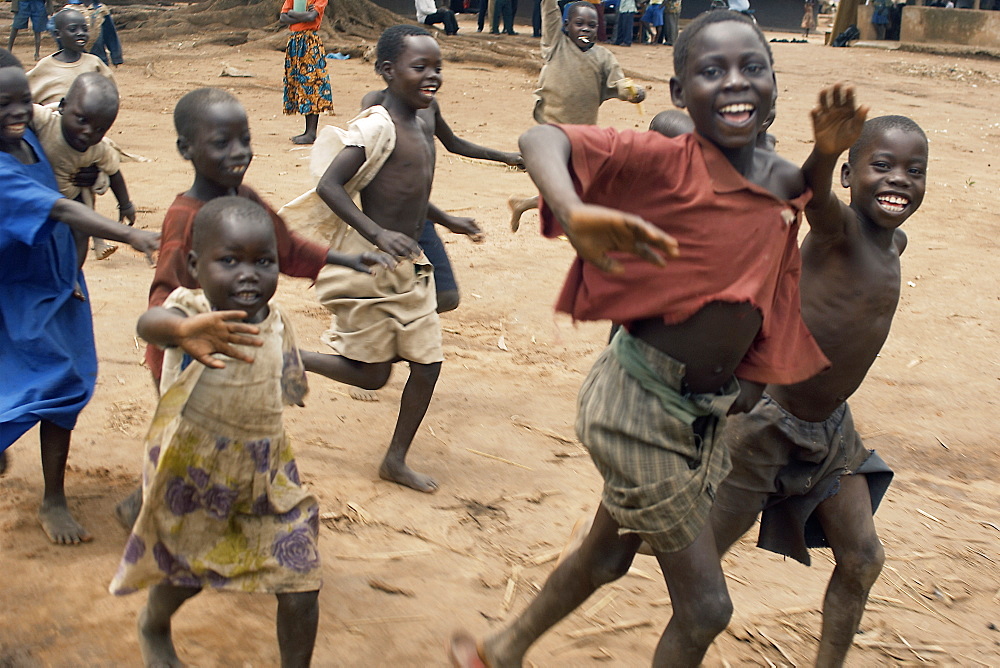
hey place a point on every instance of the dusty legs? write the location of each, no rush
(54, 516)
(518, 205)
(309, 136)
(413, 405)
(694, 578)
(850, 529)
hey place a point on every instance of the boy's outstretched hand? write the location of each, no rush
(367, 262)
(202, 335)
(596, 230)
(837, 120)
(464, 225)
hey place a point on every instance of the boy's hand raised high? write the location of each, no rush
(837, 120)
(595, 231)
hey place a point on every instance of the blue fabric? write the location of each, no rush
(108, 42)
(48, 364)
(433, 247)
(34, 10)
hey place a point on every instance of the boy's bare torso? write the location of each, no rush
(397, 197)
(850, 289)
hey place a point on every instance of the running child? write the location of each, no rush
(46, 333)
(73, 138)
(391, 316)
(224, 507)
(797, 455)
(577, 76)
(307, 87)
(724, 306)
(214, 135)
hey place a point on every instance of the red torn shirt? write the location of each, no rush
(738, 243)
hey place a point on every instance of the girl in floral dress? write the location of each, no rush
(223, 506)
(307, 87)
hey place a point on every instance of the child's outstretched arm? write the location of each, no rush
(364, 262)
(459, 146)
(837, 123)
(87, 221)
(593, 230)
(331, 190)
(126, 209)
(200, 336)
(457, 224)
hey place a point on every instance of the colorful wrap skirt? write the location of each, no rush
(307, 87)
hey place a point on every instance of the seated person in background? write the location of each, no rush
(429, 14)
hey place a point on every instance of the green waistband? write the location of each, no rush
(626, 350)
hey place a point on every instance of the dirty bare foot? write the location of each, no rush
(156, 646)
(102, 249)
(465, 652)
(127, 511)
(359, 394)
(404, 475)
(59, 525)
(304, 138)
(518, 205)
(576, 536)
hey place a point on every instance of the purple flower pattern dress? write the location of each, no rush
(223, 506)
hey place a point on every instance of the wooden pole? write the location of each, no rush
(847, 14)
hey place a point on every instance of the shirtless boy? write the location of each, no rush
(797, 456)
(435, 126)
(655, 403)
(392, 316)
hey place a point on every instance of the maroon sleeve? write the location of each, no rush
(297, 256)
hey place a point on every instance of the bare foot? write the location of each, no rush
(59, 525)
(359, 394)
(465, 652)
(157, 647)
(576, 536)
(102, 249)
(404, 475)
(518, 205)
(127, 511)
(304, 138)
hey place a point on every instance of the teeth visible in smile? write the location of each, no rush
(246, 295)
(893, 203)
(736, 108)
(237, 169)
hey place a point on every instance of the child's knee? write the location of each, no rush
(863, 563)
(376, 377)
(712, 611)
(447, 300)
(427, 373)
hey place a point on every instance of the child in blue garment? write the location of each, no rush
(46, 334)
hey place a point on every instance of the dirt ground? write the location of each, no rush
(499, 433)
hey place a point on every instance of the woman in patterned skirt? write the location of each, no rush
(307, 87)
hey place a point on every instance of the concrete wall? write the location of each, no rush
(922, 25)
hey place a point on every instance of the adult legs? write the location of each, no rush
(413, 405)
(309, 135)
(54, 516)
(38, 45)
(849, 526)
(155, 641)
(536, 18)
(298, 618)
(603, 556)
(670, 27)
(480, 19)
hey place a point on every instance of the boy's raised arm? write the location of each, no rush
(837, 123)
(593, 230)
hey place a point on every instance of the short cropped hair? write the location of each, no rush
(215, 211)
(704, 20)
(390, 43)
(95, 82)
(190, 108)
(63, 14)
(875, 128)
(8, 59)
(571, 7)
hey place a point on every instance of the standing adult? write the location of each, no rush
(626, 22)
(671, 21)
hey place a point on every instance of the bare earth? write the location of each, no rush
(499, 434)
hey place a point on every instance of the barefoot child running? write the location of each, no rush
(46, 334)
(655, 403)
(391, 316)
(223, 505)
(214, 135)
(797, 455)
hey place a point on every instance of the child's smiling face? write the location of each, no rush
(415, 76)
(237, 264)
(889, 178)
(727, 85)
(15, 106)
(71, 30)
(581, 25)
(220, 149)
